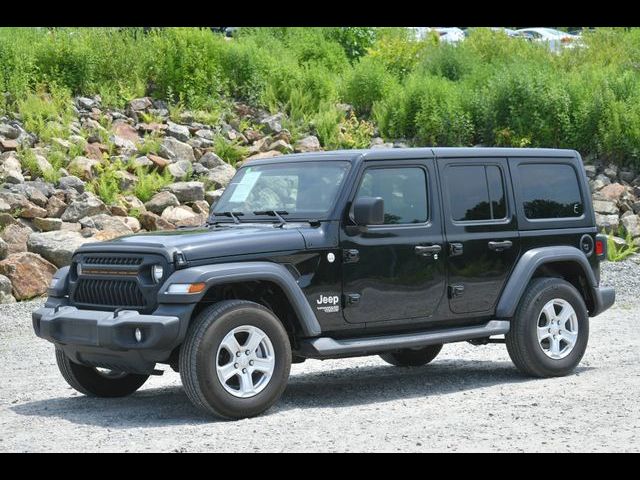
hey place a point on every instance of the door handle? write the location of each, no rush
(427, 250)
(500, 246)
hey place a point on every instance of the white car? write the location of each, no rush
(446, 34)
(556, 39)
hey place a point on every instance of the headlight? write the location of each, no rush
(79, 269)
(157, 272)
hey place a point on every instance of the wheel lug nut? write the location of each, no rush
(251, 362)
(235, 365)
(247, 352)
(244, 370)
(237, 354)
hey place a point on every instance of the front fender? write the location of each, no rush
(529, 263)
(244, 271)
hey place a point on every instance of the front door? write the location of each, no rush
(394, 271)
(481, 231)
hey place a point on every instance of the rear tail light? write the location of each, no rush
(601, 246)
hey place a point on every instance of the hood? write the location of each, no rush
(219, 241)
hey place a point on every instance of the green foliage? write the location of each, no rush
(230, 152)
(150, 182)
(369, 82)
(149, 144)
(337, 132)
(106, 183)
(617, 253)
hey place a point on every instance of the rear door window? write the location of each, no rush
(550, 190)
(476, 192)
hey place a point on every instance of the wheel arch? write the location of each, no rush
(564, 262)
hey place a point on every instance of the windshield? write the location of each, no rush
(303, 190)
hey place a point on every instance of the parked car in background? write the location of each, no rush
(446, 34)
(556, 39)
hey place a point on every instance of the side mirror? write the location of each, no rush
(368, 211)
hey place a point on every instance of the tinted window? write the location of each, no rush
(476, 192)
(404, 191)
(550, 191)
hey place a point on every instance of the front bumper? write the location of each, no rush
(106, 339)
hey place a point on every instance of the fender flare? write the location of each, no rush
(526, 267)
(244, 271)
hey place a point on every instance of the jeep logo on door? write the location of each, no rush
(328, 303)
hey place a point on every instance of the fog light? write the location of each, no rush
(157, 272)
(138, 335)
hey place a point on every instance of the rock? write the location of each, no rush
(626, 175)
(182, 216)
(118, 210)
(612, 191)
(123, 144)
(281, 146)
(43, 164)
(29, 273)
(175, 150)
(131, 202)
(84, 167)
(159, 162)
(32, 193)
(252, 135)
(71, 226)
(71, 182)
(115, 224)
(160, 201)
(213, 196)
(180, 170)
(607, 222)
(47, 224)
(151, 222)
(220, 176)
(8, 145)
(269, 154)
(308, 144)
(133, 223)
(94, 151)
(11, 169)
(273, 123)
(16, 235)
(55, 207)
(140, 104)
(4, 249)
(631, 224)
(57, 246)
(143, 162)
(106, 235)
(20, 206)
(9, 131)
(6, 295)
(126, 180)
(85, 103)
(188, 191)
(211, 160)
(86, 205)
(177, 131)
(605, 207)
(200, 206)
(205, 134)
(611, 172)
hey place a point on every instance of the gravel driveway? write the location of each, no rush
(469, 399)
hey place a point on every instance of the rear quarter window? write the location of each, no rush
(550, 190)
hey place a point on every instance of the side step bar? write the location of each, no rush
(325, 347)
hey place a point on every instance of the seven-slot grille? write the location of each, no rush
(111, 293)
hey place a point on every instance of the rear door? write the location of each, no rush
(481, 231)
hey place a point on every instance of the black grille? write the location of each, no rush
(113, 260)
(112, 293)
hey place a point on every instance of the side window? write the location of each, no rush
(476, 192)
(404, 191)
(550, 191)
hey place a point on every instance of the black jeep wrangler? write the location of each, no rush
(339, 254)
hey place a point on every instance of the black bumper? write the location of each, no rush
(604, 299)
(105, 339)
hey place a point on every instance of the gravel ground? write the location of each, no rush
(469, 399)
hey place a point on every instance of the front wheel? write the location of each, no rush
(235, 360)
(550, 329)
(97, 382)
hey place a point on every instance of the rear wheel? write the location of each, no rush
(412, 357)
(550, 329)
(235, 360)
(98, 382)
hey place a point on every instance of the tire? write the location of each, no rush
(91, 382)
(526, 350)
(205, 352)
(412, 357)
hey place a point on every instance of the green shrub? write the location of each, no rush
(230, 152)
(617, 253)
(367, 83)
(150, 182)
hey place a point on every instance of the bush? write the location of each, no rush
(150, 182)
(367, 83)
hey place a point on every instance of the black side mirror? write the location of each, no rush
(368, 211)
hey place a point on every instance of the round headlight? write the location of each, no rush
(157, 272)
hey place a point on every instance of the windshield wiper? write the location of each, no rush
(274, 213)
(233, 215)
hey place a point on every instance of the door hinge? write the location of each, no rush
(456, 291)
(350, 255)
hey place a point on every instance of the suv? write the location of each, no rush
(339, 254)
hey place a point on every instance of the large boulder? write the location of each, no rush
(605, 207)
(179, 132)
(108, 222)
(308, 144)
(220, 176)
(631, 224)
(211, 160)
(71, 182)
(182, 216)
(140, 104)
(188, 191)
(151, 222)
(612, 191)
(85, 205)
(180, 169)
(11, 169)
(57, 246)
(607, 222)
(273, 123)
(15, 236)
(160, 201)
(174, 150)
(29, 273)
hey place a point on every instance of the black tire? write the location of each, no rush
(412, 357)
(522, 341)
(89, 381)
(198, 359)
